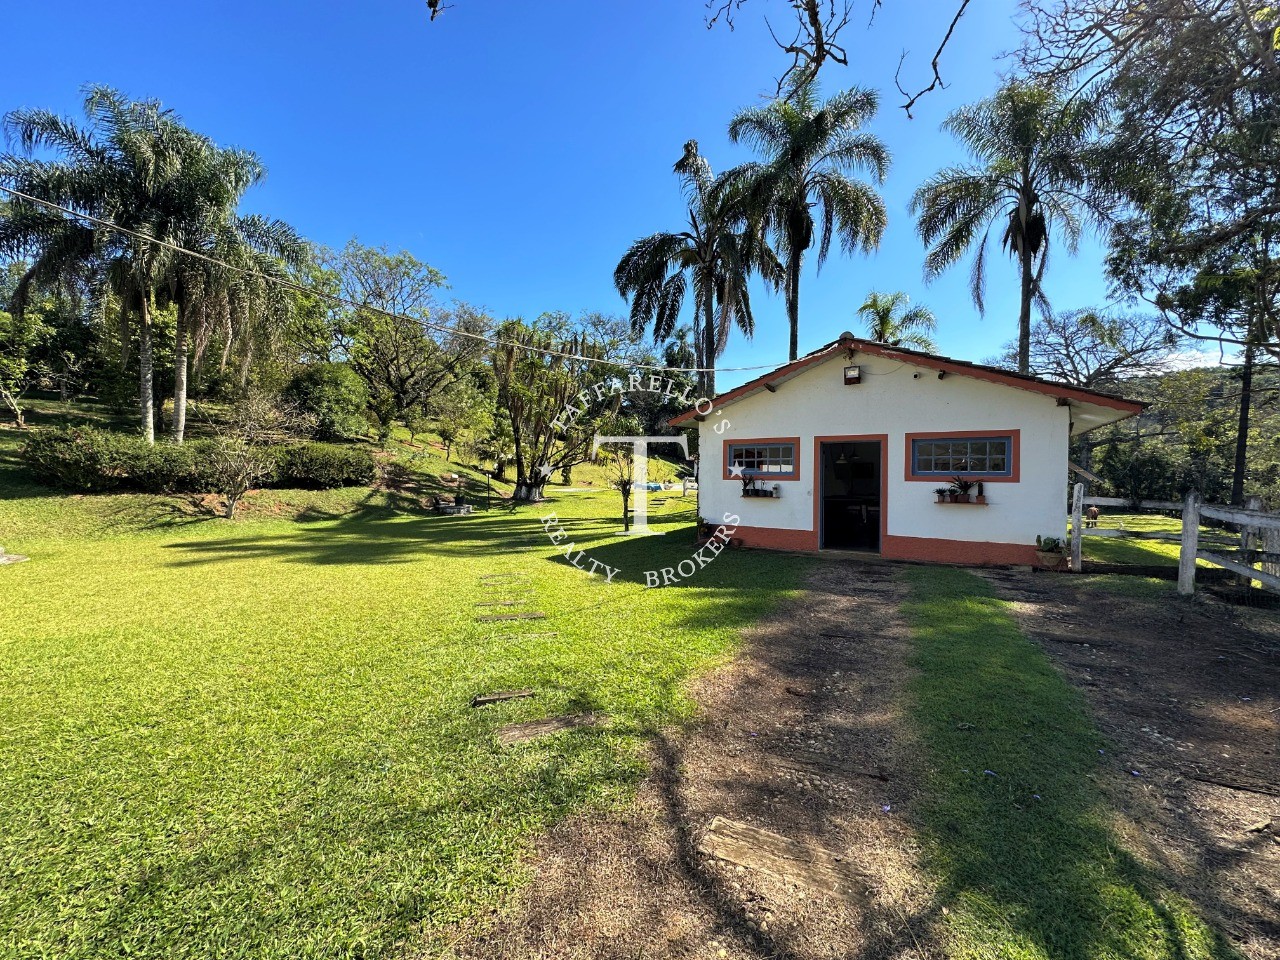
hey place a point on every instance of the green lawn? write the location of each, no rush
(1161, 553)
(253, 739)
(1016, 826)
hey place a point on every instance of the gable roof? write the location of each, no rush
(847, 342)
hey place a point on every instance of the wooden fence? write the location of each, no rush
(1259, 537)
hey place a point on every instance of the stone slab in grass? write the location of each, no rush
(497, 617)
(520, 732)
(501, 603)
(484, 699)
(8, 558)
(816, 867)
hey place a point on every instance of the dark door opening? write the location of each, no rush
(850, 494)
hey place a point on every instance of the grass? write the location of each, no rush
(1161, 553)
(1015, 823)
(252, 738)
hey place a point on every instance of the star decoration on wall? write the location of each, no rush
(737, 471)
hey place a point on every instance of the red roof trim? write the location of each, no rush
(734, 394)
(943, 364)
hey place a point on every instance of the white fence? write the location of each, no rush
(1259, 536)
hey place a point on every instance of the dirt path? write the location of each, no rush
(801, 736)
(1189, 694)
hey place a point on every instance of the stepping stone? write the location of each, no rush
(525, 636)
(7, 558)
(816, 867)
(511, 616)
(519, 732)
(484, 699)
(501, 603)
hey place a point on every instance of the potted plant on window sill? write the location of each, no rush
(1051, 552)
(960, 487)
(942, 493)
(979, 496)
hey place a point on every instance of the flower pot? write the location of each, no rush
(962, 498)
(981, 498)
(1051, 559)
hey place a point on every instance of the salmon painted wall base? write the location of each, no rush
(926, 549)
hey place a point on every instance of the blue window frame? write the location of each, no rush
(770, 458)
(967, 456)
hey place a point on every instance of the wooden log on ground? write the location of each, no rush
(519, 732)
(484, 699)
(805, 863)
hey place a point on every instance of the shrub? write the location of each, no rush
(78, 458)
(323, 466)
(335, 396)
(86, 460)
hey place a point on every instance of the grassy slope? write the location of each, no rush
(1015, 822)
(252, 739)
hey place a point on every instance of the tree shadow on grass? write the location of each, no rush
(382, 530)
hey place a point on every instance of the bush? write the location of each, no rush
(335, 396)
(323, 466)
(86, 460)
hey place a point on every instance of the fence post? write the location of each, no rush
(1077, 510)
(1271, 544)
(1190, 543)
(1250, 538)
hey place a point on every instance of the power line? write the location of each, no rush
(352, 304)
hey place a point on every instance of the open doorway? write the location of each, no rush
(850, 495)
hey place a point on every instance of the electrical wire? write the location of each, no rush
(352, 304)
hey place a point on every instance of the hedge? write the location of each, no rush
(87, 460)
(324, 466)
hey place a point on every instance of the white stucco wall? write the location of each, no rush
(892, 400)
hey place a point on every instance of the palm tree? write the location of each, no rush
(1029, 177)
(891, 319)
(240, 299)
(126, 167)
(804, 189)
(717, 253)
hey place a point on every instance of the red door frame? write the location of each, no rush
(883, 440)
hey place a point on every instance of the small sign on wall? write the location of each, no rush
(852, 375)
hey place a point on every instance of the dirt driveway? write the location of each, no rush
(1189, 694)
(803, 736)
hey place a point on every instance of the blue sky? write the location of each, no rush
(521, 147)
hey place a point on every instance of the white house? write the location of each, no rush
(844, 449)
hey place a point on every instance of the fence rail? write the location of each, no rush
(1259, 536)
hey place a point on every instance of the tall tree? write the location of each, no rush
(399, 340)
(1029, 177)
(804, 189)
(891, 319)
(541, 368)
(131, 165)
(716, 254)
